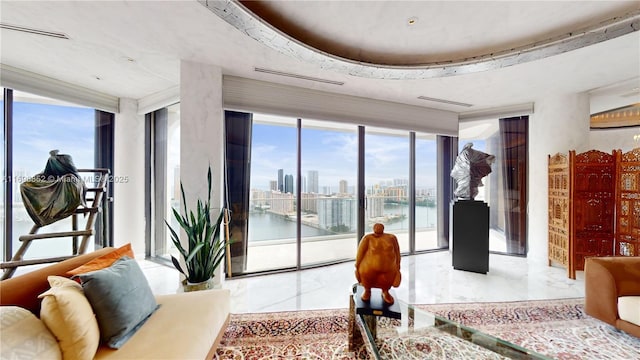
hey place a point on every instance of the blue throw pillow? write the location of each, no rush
(121, 299)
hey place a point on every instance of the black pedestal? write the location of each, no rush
(471, 236)
(376, 306)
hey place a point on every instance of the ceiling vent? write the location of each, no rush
(297, 76)
(442, 101)
(34, 31)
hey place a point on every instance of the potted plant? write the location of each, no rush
(205, 248)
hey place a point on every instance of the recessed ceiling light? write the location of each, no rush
(412, 20)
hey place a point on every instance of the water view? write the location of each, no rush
(269, 226)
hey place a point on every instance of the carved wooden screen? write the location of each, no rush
(559, 209)
(628, 203)
(593, 196)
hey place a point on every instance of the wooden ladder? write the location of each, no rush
(99, 192)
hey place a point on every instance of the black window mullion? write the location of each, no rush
(103, 158)
(412, 193)
(447, 151)
(8, 173)
(298, 197)
(148, 119)
(362, 202)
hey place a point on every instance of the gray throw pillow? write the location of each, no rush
(121, 299)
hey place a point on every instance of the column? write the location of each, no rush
(128, 175)
(201, 134)
(560, 123)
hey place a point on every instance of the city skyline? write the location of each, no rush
(333, 154)
(71, 129)
(343, 186)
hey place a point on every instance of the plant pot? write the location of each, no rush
(205, 285)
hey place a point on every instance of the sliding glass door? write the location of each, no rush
(166, 178)
(426, 210)
(3, 175)
(504, 189)
(329, 157)
(315, 186)
(40, 125)
(272, 230)
(386, 161)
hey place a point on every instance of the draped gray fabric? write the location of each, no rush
(55, 193)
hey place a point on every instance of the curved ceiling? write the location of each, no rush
(134, 49)
(414, 40)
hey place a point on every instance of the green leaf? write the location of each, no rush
(205, 249)
(176, 263)
(194, 252)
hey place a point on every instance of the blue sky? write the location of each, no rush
(40, 128)
(334, 155)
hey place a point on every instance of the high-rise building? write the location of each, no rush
(312, 181)
(282, 203)
(400, 182)
(396, 193)
(375, 206)
(273, 185)
(258, 199)
(281, 180)
(337, 214)
(309, 202)
(343, 187)
(288, 184)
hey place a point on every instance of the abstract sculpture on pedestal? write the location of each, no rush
(470, 167)
(378, 263)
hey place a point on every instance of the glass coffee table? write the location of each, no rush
(413, 333)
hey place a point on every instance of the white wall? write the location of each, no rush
(201, 130)
(128, 198)
(560, 123)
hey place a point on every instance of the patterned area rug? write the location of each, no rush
(320, 334)
(558, 329)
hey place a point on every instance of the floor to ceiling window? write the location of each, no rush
(387, 182)
(37, 126)
(426, 181)
(329, 156)
(310, 187)
(504, 189)
(315, 184)
(485, 137)
(3, 176)
(166, 177)
(272, 232)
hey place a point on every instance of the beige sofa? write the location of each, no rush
(612, 291)
(185, 326)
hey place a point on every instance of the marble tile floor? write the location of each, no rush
(426, 278)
